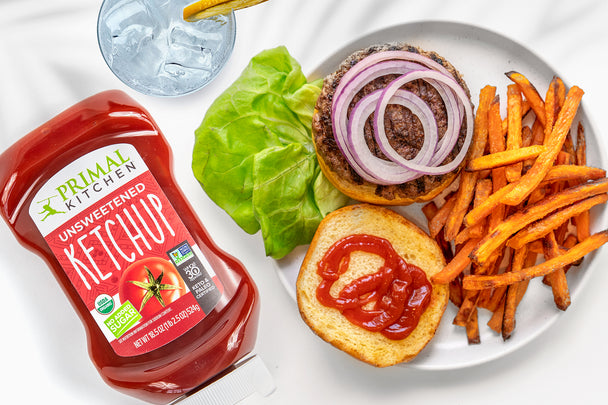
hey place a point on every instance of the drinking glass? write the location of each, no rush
(149, 47)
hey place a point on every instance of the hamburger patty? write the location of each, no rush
(403, 128)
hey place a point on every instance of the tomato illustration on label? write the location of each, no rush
(150, 285)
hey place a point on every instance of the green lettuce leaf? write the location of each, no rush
(253, 154)
(290, 215)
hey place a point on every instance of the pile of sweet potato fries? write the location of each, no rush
(521, 209)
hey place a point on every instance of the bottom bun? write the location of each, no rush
(411, 243)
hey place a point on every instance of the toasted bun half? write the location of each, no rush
(410, 242)
(404, 132)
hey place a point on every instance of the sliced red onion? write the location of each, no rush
(449, 135)
(348, 132)
(378, 57)
(346, 91)
(455, 115)
(380, 171)
(373, 168)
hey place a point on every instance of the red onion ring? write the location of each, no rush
(347, 89)
(369, 166)
(409, 66)
(381, 134)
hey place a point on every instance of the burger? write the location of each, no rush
(393, 125)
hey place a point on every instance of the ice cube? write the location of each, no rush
(138, 53)
(188, 48)
(131, 40)
(179, 64)
(125, 13)
(192, 37)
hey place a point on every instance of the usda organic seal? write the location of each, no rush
(104, 304)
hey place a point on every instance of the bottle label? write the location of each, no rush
(124, 248)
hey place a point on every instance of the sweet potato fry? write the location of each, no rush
(472, 328)
(537, 195)
(505, 158)
(515, 292)
(568, 147)
(490, 267)
(496, 143)
(483, 189)
(576, 173)
(438, 221)
(561, 231)
(495, 322)
(554, 144)
(491, 299)
(526, 136)
(468, 306)
(495, 299)
(536, 247)
(480, 212)
(570, 241)
(540, 228)
(536, 102)
(430, 210)
(457, 265)
(456, 293)
(466, 189)
(479, 282)
(496, 139)
(514, 130)
(526, 140)
(551, 107)
(582, 226)
(582, 220)
(538, 133)
(476, 231)
(556, 279)
(532, 213)
(508, 322)
(563, 159)
(525, 107)
(581, 145)
(484, 174)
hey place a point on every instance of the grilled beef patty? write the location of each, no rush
(403, 128)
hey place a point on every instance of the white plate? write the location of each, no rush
(482, 57)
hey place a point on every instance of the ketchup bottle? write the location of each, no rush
(169, 316)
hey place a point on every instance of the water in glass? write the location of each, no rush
(148, 45)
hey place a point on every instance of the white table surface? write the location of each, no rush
(49, 60)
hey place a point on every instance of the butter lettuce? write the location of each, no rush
(253, 154)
